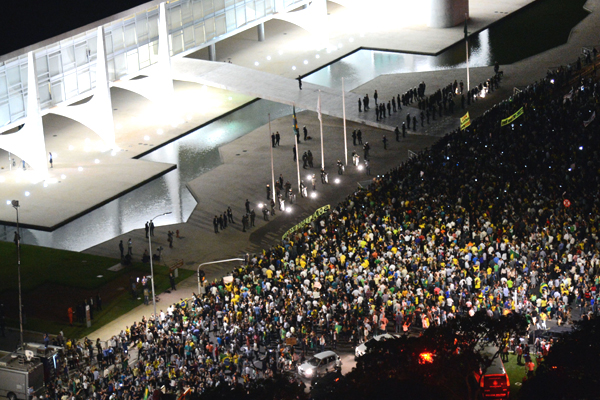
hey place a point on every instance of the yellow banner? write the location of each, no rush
(510, 119)
(465, 121)
(308, 220)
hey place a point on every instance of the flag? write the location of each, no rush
(466, 32)
(146, 394)
(510, 119)
(319, 107)
(296, 131)
(465, 121)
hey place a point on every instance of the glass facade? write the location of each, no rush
(67, 69)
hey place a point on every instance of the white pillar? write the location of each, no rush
(319, 13)
(164, 55)
(96, 114)
(261, 32)
(447, 13)
(106, 124)
(279, 6)
(37, 149)
(212, 52)
(29, 143)
(320, 6)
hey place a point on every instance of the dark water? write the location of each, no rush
(542, 26)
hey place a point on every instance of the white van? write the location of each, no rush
(362, 348)
(320, 364)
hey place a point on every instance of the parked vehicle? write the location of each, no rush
(47, 355)
(362, 348)
(19, 374)
(493, 380)
(320, 364)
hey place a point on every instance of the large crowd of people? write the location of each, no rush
(499, 218)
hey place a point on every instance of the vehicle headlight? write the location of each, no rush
(309, 372)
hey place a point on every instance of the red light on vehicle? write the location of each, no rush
(425, 358)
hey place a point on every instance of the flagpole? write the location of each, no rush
(467, 46)
(321, 126)
(272, 167)
(296, 134)
(344, 114)
(298, 163)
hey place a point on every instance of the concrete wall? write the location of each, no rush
(447, 13)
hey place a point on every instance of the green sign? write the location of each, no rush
(465, 122)
(308, 220)
(510, 119)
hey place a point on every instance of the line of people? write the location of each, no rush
(221, 221)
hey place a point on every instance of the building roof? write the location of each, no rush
(11, 361)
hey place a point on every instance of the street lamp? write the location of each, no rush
(15, 204)
(151, 266)
(214, 262)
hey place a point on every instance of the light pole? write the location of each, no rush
(214, 262)
(272, 168)
(467, 47)
(152, 266)
(15, 204)
(344, 114)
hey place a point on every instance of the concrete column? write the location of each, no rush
(261, 32)
(164, 55)
(105, 111)
(29, 143)
(320, 7)
(212, 52)
(96, 114)
(447, 13)
(36, 147)
(278, 6)
(319, 13)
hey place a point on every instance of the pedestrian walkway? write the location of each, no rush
(272, 87)
(255, 83)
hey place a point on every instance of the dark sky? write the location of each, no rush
(25, 22)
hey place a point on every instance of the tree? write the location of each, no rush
(571, 370)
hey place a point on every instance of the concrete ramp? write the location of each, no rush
(271, 87)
